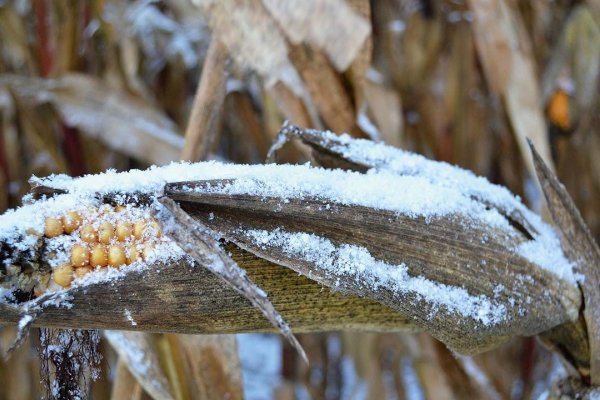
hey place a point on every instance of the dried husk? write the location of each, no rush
(437, 250)
(181, 298)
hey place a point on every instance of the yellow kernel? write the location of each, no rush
(99, 256)
(63, 275)
(81, 272)
(133, 254)
(71, 221)
(106, 232)
(138, 229)
(88, 234)
(53, 227)
(80, 255)
(146, 229)
(148, 249)
(116, 255)
(124, 230)
(120, 208)
(153, 229)
(105, 209)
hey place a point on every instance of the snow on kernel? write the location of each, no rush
(357, 263)
(164, 251)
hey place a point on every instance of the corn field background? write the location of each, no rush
(91, 85)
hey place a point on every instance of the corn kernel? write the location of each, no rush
(53, 227)
(105, 209)
(116, 255)
(106, 232)
(63, 275)
(133, 253)
(120, 208)
(80, 255)
(138, 229)
(99, 256)
(124, 230)
(88, 234)
(81, 272)
(71, 221)
(148, 249)
(153, 229)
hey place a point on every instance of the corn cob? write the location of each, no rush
(97, 238)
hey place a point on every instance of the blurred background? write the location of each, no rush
(91, 85)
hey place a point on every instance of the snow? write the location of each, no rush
(25, 319)
(129, 317)
(260, 359)
(6, 294)
(357, 263)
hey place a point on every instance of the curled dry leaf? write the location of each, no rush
(124, 123)
(579, 245)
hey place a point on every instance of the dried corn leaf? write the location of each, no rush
(214, 366)
(362, 61)
(386, 107)
(140, 357)
(253, 39)
(331, 25)
(326, 88)
(14, 47)
(125, 385)
(505, 53)
(578, 244)
(122, 122)
(208, 103)
(172, 361)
